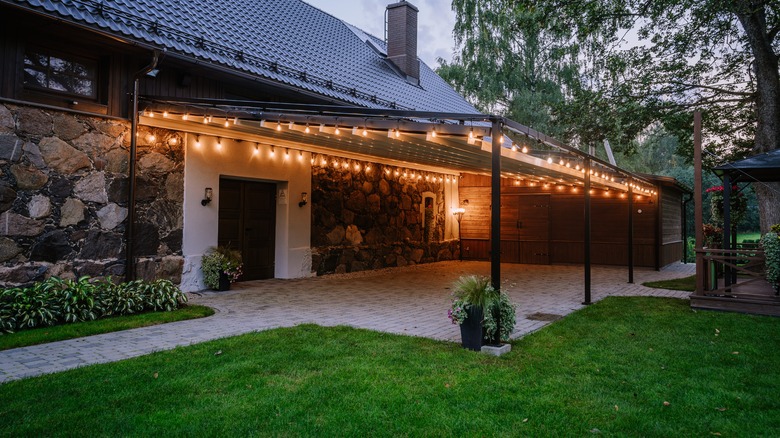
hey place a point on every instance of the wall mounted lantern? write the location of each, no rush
(304, 199)
(207, 196)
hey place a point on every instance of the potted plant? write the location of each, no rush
(221, 266)
(474, 308)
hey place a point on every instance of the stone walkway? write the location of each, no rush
(410, 301)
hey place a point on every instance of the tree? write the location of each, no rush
(622, 65)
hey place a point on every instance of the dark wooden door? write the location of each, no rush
(525, 229)
(247, 222)
(533, 228)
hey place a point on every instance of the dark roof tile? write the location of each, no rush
(293, 34)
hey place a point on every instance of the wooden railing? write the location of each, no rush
(730, 271)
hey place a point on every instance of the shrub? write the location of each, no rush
(58, 301)
(218, 261)
(771, 243)
(508, 319)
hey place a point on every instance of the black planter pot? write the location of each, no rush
(471, 329)
(224, 282)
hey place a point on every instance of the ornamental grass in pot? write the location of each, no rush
(475, 305)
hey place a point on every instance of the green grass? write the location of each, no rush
(43, 335)
(748, 236)
(685, 284)
(610, 366)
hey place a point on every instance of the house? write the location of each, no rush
(136, 135)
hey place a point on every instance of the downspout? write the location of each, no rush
(685, 227)
(130, 229)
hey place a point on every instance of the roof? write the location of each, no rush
(287, 41)
(763, 167)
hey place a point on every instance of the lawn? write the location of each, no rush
(684, 284)
(624, 366)
(43, 335)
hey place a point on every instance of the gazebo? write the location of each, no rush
(744, 287)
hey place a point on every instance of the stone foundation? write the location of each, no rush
(63, 196)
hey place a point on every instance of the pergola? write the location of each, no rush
(429, 141)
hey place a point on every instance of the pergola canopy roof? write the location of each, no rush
(429, 141)
(763, 167)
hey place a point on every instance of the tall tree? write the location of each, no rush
(622, 65)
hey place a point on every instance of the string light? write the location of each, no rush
(257, 149)
(561, 162)
(324, 162)
(286, 153)
(300, 155)
(433, 132)
(549, 160)
(235, 120)
(227, 123)
(471, 134)
(307, 130)
(514, 147)
(278, 126)
(151, 138)
(273, 151)
(365, 132)
(151, 114)
(525, 150)
(165, 113)
(185, 117)
(197, 141)
(337, 131)
(219, 144)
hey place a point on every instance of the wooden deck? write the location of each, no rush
(745, 290)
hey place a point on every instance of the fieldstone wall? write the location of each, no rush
(369, 216)
(63, 197)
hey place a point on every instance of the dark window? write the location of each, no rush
(60, 73)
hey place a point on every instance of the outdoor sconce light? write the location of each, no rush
(458, 213)
(207, 197)
(304, 199)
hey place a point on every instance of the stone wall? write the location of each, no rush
(369, 216)
(63, 196)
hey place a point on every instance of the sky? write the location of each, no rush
(434, 22)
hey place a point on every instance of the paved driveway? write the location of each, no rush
(411, 301)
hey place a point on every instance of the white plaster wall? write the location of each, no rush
(451, 200)
(203, 166)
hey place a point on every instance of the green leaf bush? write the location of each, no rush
(771, 243)
(218, 261)
(60, 301)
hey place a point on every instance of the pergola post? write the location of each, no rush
(496, 133)
(727, 226)
(698, 215)
(587, 231)
(630, 231)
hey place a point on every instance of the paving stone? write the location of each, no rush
(376, 300)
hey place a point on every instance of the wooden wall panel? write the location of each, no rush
(671, 252)
(671, 203)
(475, 249)
(476, 220)
(609, 226)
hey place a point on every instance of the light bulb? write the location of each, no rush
(219, 144)
(397, 133)
(337, 131)
(514, 147)
(278, 126)
(256, 151)
(433, 133)
(197, 142)
(549, 160)
(365, 132)
(471, 134)
(227, 123)
(525, 150)
(307, 130)
(165, 113)
(185, 117)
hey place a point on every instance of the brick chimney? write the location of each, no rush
(402, 38)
